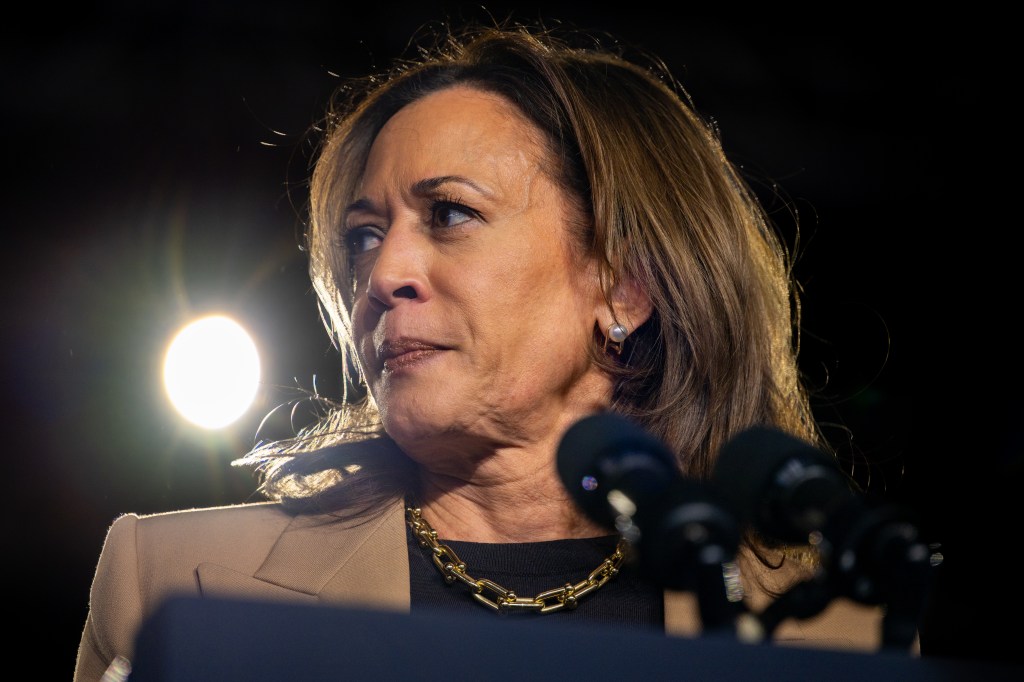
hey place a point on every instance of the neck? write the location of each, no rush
(532, 508)
(504, 487)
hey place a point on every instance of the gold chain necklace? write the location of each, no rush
(452, 568)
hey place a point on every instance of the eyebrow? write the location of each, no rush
(420, 188)
(428, 185)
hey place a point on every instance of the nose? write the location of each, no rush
(399, 270)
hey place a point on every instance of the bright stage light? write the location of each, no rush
(212, 371)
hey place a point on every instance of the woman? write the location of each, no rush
(507, 236)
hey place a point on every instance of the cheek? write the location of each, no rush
(554, 283)
(549, 302)
(362, 329)
(537, 270)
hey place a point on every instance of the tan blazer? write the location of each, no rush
(260, 552)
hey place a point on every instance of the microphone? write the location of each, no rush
(782, 485)
(615, 471)
(791, 492)
(685, 535)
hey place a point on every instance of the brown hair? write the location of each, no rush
(663, 207)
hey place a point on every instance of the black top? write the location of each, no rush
(529, 568)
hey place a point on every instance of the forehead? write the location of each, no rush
(454, 131)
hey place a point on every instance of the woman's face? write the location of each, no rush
(472, 312)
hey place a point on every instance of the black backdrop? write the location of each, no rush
(157, 173)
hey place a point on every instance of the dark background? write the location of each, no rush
(156, 168)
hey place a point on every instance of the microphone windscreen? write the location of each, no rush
(607, 451)
(782, 485)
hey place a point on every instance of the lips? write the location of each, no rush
(398, 353)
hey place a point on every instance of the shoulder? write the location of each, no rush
(236, 534)
(146, 557)
(257, 549)
(254, 515)
(240, 537)
(175, 537)
(212, 527)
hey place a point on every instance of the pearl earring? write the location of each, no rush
(616, 334)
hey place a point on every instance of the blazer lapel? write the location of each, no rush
(319, 560)
(375, 573)
(220, 582)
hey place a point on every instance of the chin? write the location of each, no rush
(417, 429)
(434, 437)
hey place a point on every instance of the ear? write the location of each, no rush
(627, 304)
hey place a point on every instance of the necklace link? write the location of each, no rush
(502, 599)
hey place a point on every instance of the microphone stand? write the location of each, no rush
(690, 544)
(804, 600)
(884, 561)
(879, 560)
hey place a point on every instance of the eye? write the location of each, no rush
(449, 213)
(359, 240)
